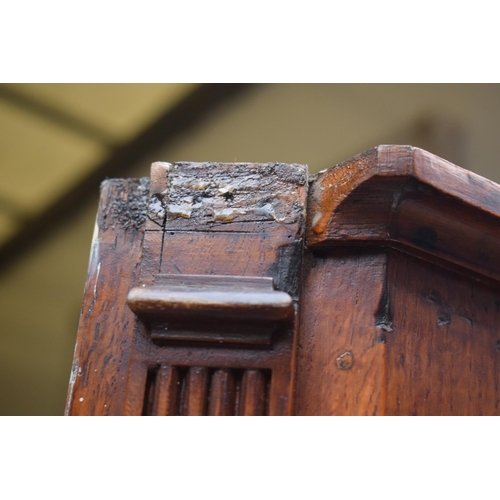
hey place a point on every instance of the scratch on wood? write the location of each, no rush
(72, 380)
(96, 281)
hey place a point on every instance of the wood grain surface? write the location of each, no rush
(404, 195)
(227, 220)
(393, 287)
(442, 354)
(400, 303)
(340, 302)
(105, 331)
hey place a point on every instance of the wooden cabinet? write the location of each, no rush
(372, 288)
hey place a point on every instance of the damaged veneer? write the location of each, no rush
(225, 192)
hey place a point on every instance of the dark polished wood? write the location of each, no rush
(390, 305)
(221, 309)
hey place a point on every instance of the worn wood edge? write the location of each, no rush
(156, 211)
(452, 180)
(125, 217)
(452, 185)
(333, 186)
(162, 301)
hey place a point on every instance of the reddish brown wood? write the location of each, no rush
(404, 195)
(253, 394)
(105, 332)
(166, 391)
(399, 295)
(339, 302)
(217, 291)
(442, 355)
(225, 310)
(399, 310)
(195, 392)
(222, 400)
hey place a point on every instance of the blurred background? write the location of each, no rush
(59, 141)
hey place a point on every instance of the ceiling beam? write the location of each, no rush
(197, 105)
(56, 116)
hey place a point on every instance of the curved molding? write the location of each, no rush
(401, 195)
(206, 308)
